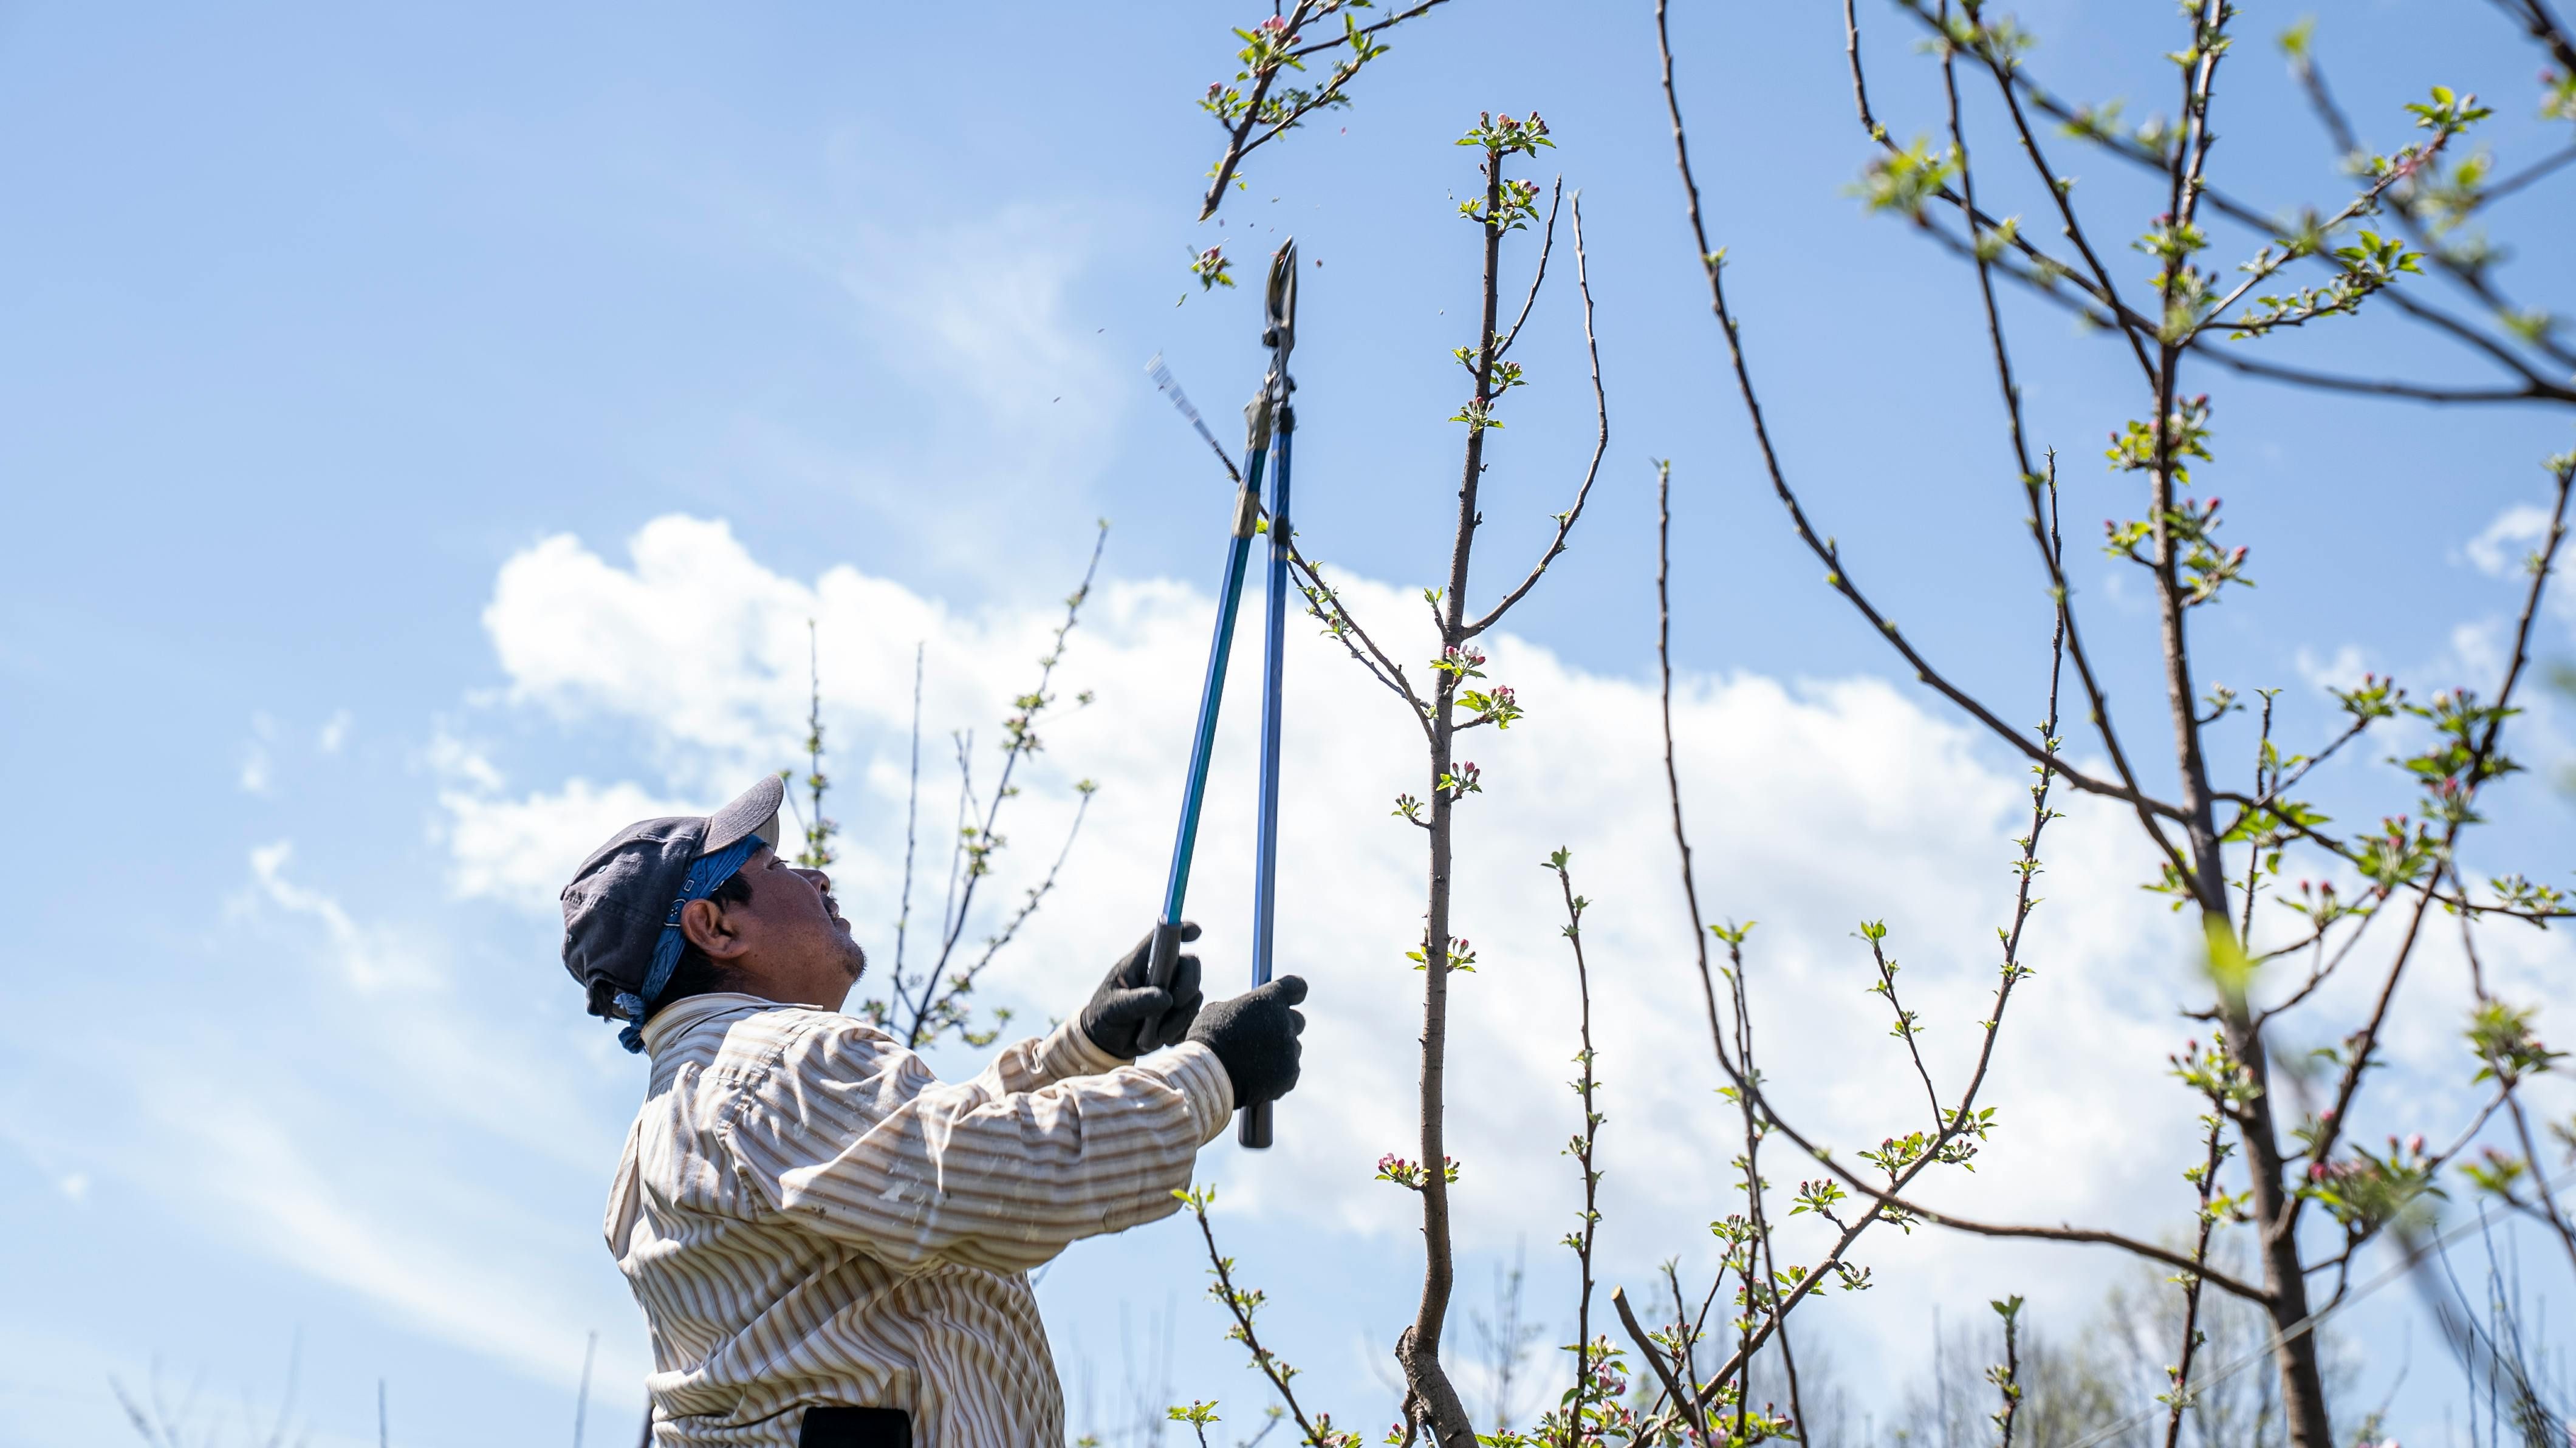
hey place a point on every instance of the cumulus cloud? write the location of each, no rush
(514, 850)
(1816, 804)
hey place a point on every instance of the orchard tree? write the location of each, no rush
(2229, 827)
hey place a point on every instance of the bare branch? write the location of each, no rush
(1239, 1305)
(2535, 390)
(2070, 636)
(941, 1009)
(1235, 148)
(977, 839)
(1654, 1357)
(1837, 577)
(2537, 386)
(2363, 1043)
(2529, 174)
(1600, 445)
(1240, 142)
(1324, 604)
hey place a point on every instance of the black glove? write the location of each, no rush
(1255, 1036)
(1125, 1005)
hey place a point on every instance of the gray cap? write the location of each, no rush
(619, 899)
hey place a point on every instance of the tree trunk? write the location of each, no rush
(1418, 1352)
(2303, 1398)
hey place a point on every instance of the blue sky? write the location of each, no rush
(428, 435)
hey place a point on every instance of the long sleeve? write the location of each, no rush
(853, 1137)
(1064, 1055)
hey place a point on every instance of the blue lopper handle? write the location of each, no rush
(1161, 961)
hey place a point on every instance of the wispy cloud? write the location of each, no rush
(370, 960)
(258, 768)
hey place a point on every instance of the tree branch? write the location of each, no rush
(1546, 248)
(1836, 577)
(1601, 439)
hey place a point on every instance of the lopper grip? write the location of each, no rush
(1162, 963)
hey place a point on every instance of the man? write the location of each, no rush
(830, 1244)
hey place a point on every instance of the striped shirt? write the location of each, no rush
(808, 1216)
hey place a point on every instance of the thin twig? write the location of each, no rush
(1654, 1359)
(1538, 276)
(978, 840)
(943, 1010)
(1837, 576)
(2180, 1374)
(2364, 1042)
(1222, 1268)
(1600, 444)
(1582, 1149)
(911, 818)
(1240, 142)
(1325, 605)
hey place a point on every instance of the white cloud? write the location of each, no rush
(2342, 670)
(74, 1186)
(2478, 653)
(459, 764)
(514, 850)
(1814, 804)
(970, 328)
(403, 1130)
(257, 772)
(334, 732)
(2500, 551)
(979, 308)
(287, 1195)
(370, 960)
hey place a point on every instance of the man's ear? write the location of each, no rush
(703, 924)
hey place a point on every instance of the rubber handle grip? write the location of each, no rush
(1162, 963)
(1254, 1132)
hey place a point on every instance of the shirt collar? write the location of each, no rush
(681, 1016)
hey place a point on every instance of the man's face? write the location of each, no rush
(792, 938)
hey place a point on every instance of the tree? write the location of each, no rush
(2228, 835)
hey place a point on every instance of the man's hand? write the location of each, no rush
(1255, 1036)
(1124, 1005)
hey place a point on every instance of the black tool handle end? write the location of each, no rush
(1254, 1133)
